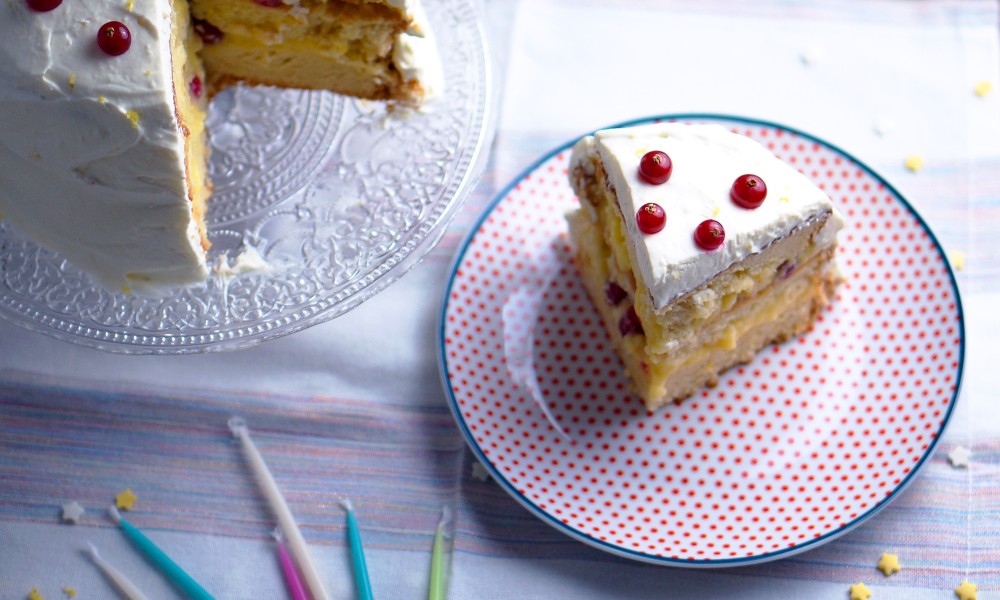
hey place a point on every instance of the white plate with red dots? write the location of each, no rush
(790, 451)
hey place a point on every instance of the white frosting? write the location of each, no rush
(415, 53)
(77, 175)
(706, 160)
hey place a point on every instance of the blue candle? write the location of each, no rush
(171, 569)
(357, 554)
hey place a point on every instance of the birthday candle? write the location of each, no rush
(171, 569)
(296, 543)
(436, 590)
(124, 585)
(295, 588)
(357, 554)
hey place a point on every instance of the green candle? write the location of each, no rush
(437, 588)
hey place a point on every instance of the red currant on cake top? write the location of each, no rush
(651, 218)
(709, 234)
(114, 38)
(655, 167)
(43, 5)
(748, 191)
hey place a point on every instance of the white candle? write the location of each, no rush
(124, 585)
(295, 542)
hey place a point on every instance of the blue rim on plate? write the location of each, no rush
(685, 562)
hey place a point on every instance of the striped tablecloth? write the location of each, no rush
(354, 408)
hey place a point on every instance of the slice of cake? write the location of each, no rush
(103, 145)
(699, 247)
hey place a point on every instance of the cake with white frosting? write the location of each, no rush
(103, 148)
(699, 247)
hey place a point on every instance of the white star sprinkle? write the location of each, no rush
(71, 512)
(884, 126)
(959, 457)
(479, 472)
(812, 55)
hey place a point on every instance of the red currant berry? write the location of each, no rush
(43, 5)
(748, 191)
(655, 167)
(195, 87)
(114, 38)
(630, 323)
(651, 218)
(709, 234)
(209, 34)
(614, 293)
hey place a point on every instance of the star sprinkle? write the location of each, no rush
(888, 564)
(966, 591)
(860, 591)
(479, 472)
(812, 55)
(125, 500)
(34, 594)
(884, 126)
(959, 457)
(71, 512)
(983, 88)
(70, 592)
(914, 162)
(957, 259)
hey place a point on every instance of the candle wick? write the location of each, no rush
(346, 504)
(115, 515)
(238, 427)
(445, 516)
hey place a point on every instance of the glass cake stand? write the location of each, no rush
(339, 196)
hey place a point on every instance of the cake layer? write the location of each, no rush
(372, 50)
(780, 308)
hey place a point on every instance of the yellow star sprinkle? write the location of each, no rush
(966, 591)
(982, 88)
(715, 211)
(34, 594)
(914, 162)
(72, 80)
(125, 500)
(130, 5)
(860, 591)
(134, 117)
(70, 592)
(957, 259)
(102, 99)
(888, 564)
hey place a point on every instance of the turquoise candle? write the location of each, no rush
(357, 554)
(172, 570)
(436, 589)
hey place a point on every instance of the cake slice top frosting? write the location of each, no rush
(706, 160)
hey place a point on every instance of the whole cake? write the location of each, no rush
(103, 147)
(699, 247)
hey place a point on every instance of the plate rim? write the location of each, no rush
(706, 563)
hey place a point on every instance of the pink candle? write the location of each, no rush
(295, 588)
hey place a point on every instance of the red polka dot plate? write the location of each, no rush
(792, 450)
